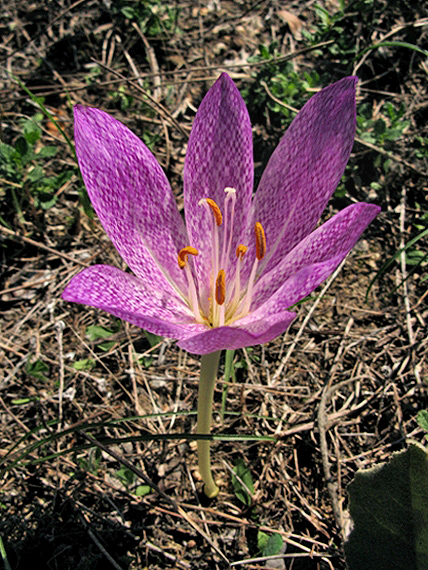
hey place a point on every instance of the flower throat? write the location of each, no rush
(228, 299)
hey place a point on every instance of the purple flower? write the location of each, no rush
(226, 278)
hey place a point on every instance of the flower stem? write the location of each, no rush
(208, 376)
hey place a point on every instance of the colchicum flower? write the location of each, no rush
(226, 278)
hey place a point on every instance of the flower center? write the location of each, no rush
(228, 298)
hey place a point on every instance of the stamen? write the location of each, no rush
(192, 294)
(220, 287)
(215, 210)
(260, 253)
(260, 241)
(241, 250)
(184, 253)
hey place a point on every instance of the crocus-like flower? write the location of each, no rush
(227, 276)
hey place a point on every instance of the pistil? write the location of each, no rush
(241, 250)
(227, 239)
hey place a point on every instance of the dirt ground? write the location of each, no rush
(340, 391)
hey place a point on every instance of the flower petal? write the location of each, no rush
(131, 196)
(125, 296)
(219, 155)
(335, 238)
(234, 337)
(306, 168)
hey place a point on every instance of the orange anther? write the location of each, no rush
(241, 250)
(260, 241)
(220, 287)
(183, 253)
(216, 211)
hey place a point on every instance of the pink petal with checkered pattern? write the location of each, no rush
(131, 195)
(305, 169)
(219, 155)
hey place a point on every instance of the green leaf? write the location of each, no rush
(3, 554)
(84, 364)
(389, 506)
(128, 12)
(142, 490)
(46, 204)
(244, 490)
(153, 339)
(387, 264)
(406, 45)
(23, 401)
(37, 369)
(269, 545)
(126, 476)
(7, 153)
(423, 419)
(47, 152)
(21, 146)
(39, 102)
(31, 129)
(106, 346)
(35, 174)
(94, 332)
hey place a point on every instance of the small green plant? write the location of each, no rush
(122, 97)
(423, 420)
(269, 544)
(154, 17)
(91, 462)
(416, 259)
(385, 127)
(277, 87)
(242, 482)
(84, 364)
(37, 368)
(96, 332)
(128, 479)
(341, 29)
(23, 170)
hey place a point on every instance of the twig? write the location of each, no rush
(153, 62)
(305, 322)
(389, 155)
(98, 543)
(322, 420)
(59, 328)
(156, 106)
(30, 241)
(177, 561)
(418, 23)
(403, 265)
(167, 498)
(34, 37)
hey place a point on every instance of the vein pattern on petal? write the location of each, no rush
(131, 196)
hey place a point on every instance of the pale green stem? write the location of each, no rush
(208, 376)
